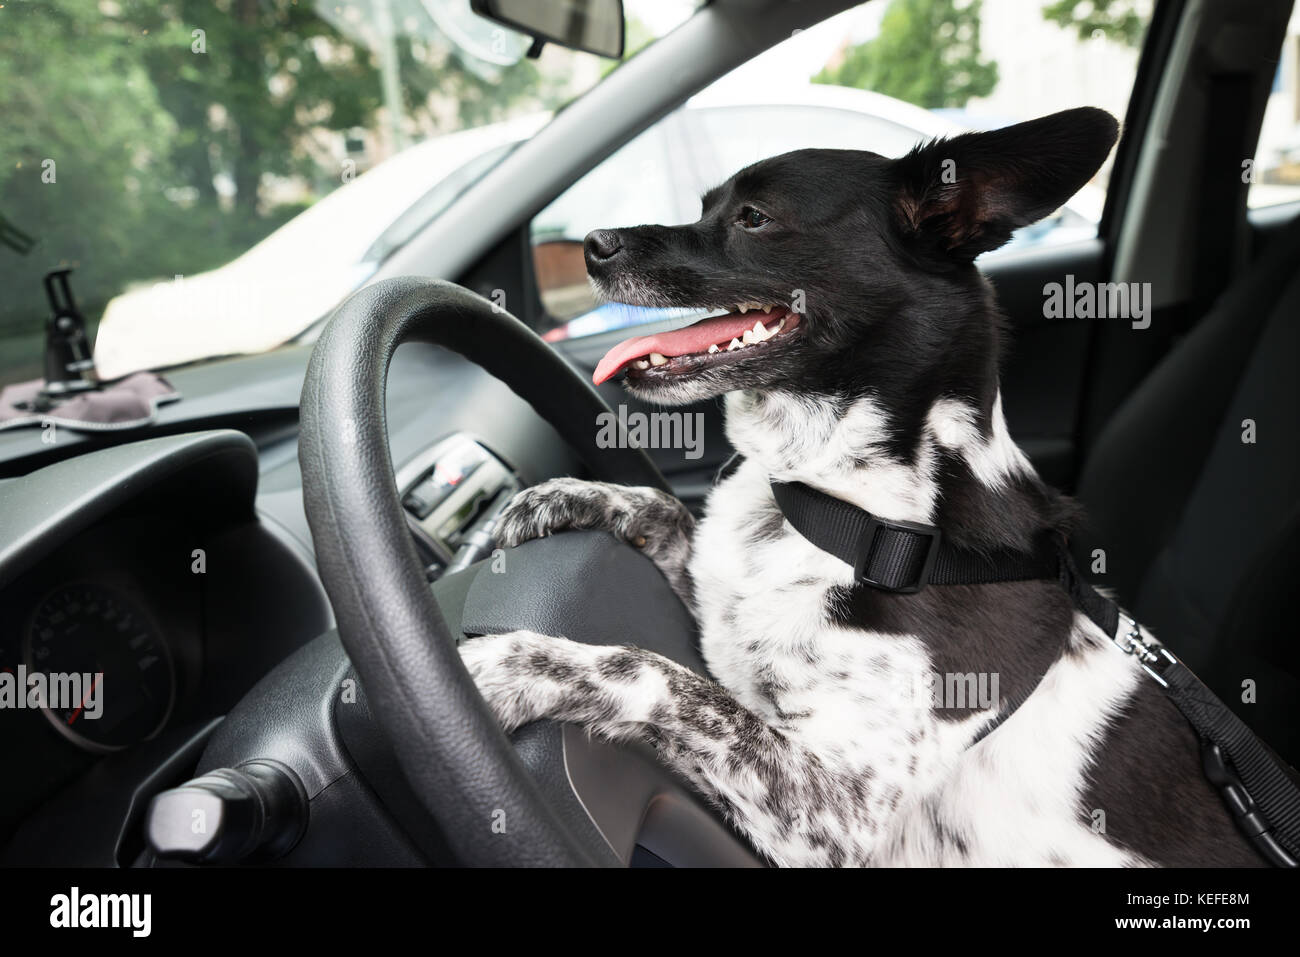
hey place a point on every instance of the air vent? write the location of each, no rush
(451, 492)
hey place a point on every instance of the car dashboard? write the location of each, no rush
(176, 562)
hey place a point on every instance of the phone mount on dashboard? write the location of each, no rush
(72, 394)
(69, 366)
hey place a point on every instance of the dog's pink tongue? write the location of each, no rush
(717, 331)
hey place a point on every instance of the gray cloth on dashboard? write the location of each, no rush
(125, 404)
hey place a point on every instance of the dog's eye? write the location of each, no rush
(751, 218)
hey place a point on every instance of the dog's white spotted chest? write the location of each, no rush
(761, 593)
(767, 634)
(762, 596)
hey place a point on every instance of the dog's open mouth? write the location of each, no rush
(702, 345)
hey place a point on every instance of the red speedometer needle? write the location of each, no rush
(81, 707)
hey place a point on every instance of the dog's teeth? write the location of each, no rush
(779, 326)
(742, 307)
(657, 360)
(760, 332)
(734, 345)
(642, 363)
(748, 338)
(714, 348)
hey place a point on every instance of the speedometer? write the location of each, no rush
(107, 671)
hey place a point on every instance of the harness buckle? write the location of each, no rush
(1150, 653)
(866, 551)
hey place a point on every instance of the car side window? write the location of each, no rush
(883, 77)
(635, 185)
(1274, 171)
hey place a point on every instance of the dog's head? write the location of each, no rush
(838, 269)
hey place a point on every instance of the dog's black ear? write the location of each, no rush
(963, 196)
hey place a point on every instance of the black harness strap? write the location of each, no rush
(904, 557)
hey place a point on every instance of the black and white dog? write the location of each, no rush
(862, 360)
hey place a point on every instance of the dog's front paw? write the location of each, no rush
(645, 518)
(610, 690)
(511, 673)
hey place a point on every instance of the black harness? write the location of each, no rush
(904, 557)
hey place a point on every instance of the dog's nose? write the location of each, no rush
(602, 244)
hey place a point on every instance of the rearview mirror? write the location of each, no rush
(595, 26)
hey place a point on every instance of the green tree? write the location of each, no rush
(84, 145)
(263, 83)
(277, 73)
(479, 99)
(927, 53)
(122, 116)
(1117, 20)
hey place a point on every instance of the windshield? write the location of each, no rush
(219, 174)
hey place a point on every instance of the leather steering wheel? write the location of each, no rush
(450, 747)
